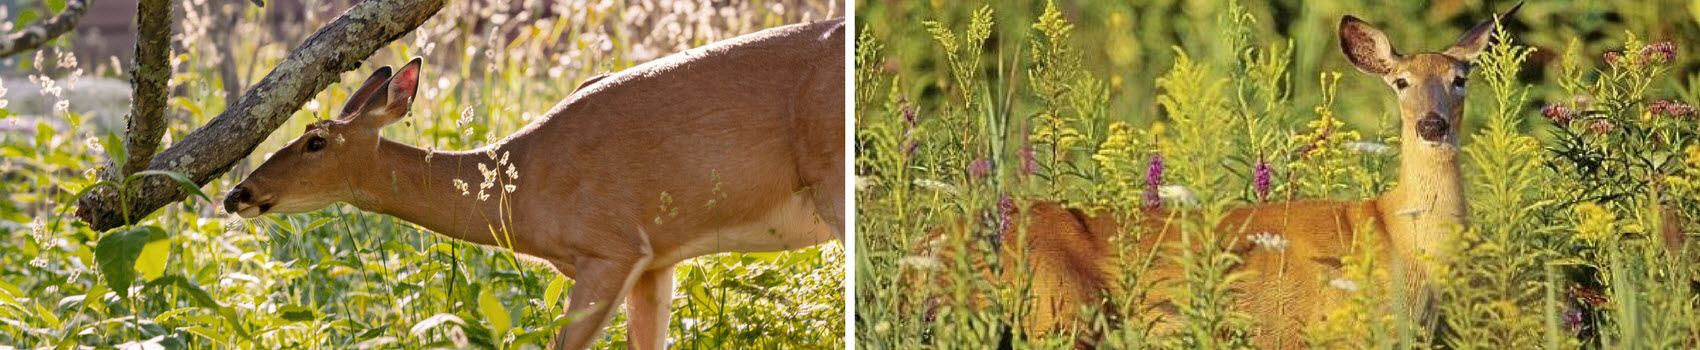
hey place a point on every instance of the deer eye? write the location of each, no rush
(1459, 82)
(315, 144)
(1401, 84)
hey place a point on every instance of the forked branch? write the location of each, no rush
(41, 32)
(209, 151)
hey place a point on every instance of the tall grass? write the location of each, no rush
(1574, 164)
(341, 278)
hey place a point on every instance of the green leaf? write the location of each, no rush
(492, 309)
(43, 131)
(8, 298)
(114, 145)
(200, 297)
(47, 315)
(56, 5)
(95, 298)
(297, 313)
(151, 263)
(182, 180)
(315, 224)
(117, 252)
(428, 323)
(552, 294)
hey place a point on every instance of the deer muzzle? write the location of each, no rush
(240, 201)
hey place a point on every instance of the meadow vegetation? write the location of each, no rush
(193, 277)
(1579, 155)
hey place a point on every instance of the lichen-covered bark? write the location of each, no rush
(209, 151)
(148, 78)
(43, 31)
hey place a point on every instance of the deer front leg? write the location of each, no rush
(648, 307)
(601, 283)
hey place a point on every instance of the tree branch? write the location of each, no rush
(148, 77)
(208, 152)
(41, 32)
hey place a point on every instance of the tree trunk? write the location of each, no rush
(209, 151)
(44, 30)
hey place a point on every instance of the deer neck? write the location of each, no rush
(1427, 204)
(409, 187)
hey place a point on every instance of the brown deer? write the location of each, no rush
(745, 136)
(1290, 251)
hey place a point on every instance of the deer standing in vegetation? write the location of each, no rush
(1292, 251)
(744, 138)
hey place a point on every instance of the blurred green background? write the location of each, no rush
(1127, 44)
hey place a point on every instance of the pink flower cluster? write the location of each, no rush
(1670, 108)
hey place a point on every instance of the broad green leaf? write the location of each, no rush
(151, 263)
(43, 131)
(373, 332)
(47, 315)
(117, 253)
(552, 294)
(200, 297)
(432, 322)
(96, 298)
(297, 313)
(114, 145)
(6, 298)
(315, 224)
(168, 315)
(56, 5)
(491, 307)
(210, 333)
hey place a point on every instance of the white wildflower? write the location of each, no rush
(1344, 284)
(1369, 147)
(1268, 240)
(465, 118)
(925, 263)
(1177, 194)
(461, 185)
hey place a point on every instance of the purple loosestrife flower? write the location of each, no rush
(1612, 57)
(1558, 114)
(1153, 181)
(911, 116)
(979, 168)
(1260, 178)
(1573, 320)
(1029, 163)
(1006, 212)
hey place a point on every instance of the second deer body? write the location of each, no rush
(1293, 282)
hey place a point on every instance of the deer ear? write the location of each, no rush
(1477, 39)
(1366, 47)
(404, 86)
(372, 84)
(390, 100)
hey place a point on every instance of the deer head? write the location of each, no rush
(1429, 85)
(329, 161)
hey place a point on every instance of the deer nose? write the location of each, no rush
(1432, 127)
(236, 196)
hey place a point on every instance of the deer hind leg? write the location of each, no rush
(601, 283)
(647, 309)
